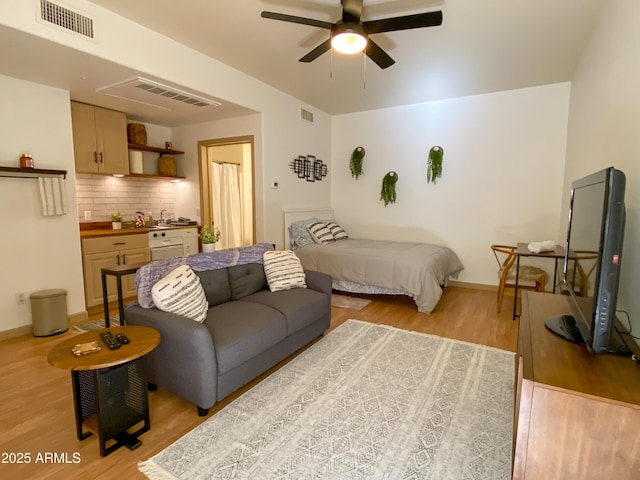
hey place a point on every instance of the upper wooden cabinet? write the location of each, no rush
(99, 140)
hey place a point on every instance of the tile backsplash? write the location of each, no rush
(104, 195)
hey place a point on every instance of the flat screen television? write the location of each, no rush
(593, 256)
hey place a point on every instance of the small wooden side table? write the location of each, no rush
(118, 271)
(110, 386)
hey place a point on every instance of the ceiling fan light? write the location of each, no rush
(349, 42)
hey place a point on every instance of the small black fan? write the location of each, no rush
(356, 29)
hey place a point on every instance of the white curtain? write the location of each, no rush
(227, 211)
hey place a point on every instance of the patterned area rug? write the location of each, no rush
(345, 301)
(114, 320)
(367, 401)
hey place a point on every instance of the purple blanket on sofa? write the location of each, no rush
(148, 275)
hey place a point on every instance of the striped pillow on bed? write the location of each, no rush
(337, 231)
(320, 232)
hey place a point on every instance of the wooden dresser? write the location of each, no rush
(577, 414)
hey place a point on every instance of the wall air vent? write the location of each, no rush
(157, 95)
(65, 18)
(306, 115)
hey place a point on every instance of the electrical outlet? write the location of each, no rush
(197, 212)
(87, 214)
(21, 299)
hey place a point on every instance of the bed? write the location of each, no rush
(373, 266)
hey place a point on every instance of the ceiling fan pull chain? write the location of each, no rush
(331, 64)
(364, 70)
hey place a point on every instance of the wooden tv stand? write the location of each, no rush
(577, 414)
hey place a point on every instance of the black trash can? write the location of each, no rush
(49, 312)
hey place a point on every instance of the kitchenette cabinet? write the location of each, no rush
(108, 252)
(99, 140)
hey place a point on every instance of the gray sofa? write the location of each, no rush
(248, 330)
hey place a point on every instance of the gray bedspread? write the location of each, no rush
(416, 268)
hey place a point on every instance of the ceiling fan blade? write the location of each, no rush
(316, 52)
(420, 20)
(351, 10)
(293, 19)
(378, 55)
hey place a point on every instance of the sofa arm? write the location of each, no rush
(184, 363)
(318, 281)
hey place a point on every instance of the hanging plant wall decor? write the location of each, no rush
(388, 192)
(355, 164)
(434, 164)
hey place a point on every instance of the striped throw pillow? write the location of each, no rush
(180, 292)
(337, 231)
(320, 232)
(283, 270)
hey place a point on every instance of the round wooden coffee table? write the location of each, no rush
(109, 386)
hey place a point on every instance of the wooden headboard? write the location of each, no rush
(296, 214)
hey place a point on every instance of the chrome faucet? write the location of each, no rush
(162, 220)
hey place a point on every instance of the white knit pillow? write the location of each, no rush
(337, 231)
(283, 270)
(320, 232)
(181, 292)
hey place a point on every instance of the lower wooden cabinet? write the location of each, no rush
(107, 252)
(577, 414)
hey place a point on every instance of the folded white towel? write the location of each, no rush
(540, 247)
(53, 195)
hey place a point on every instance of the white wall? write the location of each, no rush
(38, 252)
(604, 127)
(502, 172)
(287, 137)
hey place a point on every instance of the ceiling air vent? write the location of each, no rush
(306, 115)
(157, 95)
(65, 18)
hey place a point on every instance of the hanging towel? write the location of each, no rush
(53, 196)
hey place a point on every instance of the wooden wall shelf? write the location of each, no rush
(30, 172)
(147, 148)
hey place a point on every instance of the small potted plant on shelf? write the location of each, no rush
(116, 221)
(209, 238)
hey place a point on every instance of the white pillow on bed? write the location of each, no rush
(320, 232)
(337, 231)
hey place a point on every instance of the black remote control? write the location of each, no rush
(122, 338)
(109, 340)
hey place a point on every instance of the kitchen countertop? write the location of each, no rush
(108, 232)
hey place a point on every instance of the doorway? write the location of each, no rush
(227, 192)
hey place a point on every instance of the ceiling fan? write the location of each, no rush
(351, 35)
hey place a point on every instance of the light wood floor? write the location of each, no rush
(36, 405)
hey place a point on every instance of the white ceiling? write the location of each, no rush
(482, 47)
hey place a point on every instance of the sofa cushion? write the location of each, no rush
(301, 306)
(180, 292)
(216, 285)
(246, 279)
(283, 270)
(241, 330)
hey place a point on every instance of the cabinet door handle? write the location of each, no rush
(118, 259)
(101, 158)
(95, 157)
(124, 259)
